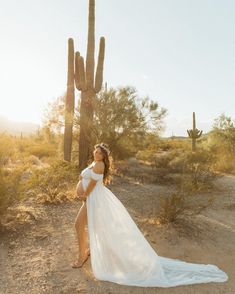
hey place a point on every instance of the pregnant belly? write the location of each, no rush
(79, 188)
(81, 185)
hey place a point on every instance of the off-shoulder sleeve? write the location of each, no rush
(96, 176)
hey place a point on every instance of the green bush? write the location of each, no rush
(225, 163)
(196, 168)
(49, 182)
(221, 142)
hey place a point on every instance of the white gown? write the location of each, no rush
(120, 253)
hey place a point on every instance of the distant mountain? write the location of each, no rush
(16, 127)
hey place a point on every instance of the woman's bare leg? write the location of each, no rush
(82, 236)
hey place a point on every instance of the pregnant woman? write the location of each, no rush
(87, 181)
(118, 249)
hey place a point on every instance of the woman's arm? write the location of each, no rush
(89, 188)
(99, 169)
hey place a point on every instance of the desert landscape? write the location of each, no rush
(145, 92)
(36, 254)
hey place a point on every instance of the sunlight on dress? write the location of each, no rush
(121, 254)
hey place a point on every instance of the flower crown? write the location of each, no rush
(105, 148)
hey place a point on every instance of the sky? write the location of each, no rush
(180, 53)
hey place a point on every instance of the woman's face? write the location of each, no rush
(98, 155)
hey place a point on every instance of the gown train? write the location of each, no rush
(121, 254)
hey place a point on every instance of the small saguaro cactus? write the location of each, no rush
(194, 133)
(84, 81)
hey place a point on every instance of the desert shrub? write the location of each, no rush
(199, 165)
(145, 155)
(192, 169)
(182, 203)
(48, 183)
(196, 175)
(6, 148)
(225, 162)
(6, 151)
(174, 144)
(22, 144)
(163, 151)
(171, 207)
(221, 142)
(224, 156)
(17, 165)
(3, 194)
(11, 185)
(196, 168)
(41, 150)
(34, 160)
(29, 146)
(162, 160)
(177, 164)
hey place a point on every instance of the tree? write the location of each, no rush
(53, 116)
(222, 135)
(122, 118)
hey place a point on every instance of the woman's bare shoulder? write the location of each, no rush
(98, 167)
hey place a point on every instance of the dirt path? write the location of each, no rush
(37, 257)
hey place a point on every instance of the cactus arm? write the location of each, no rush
(99, 70)
(77, 74)
(80, 72)
(199, 133)
(70, 77)
(69, 103)
(194, 121)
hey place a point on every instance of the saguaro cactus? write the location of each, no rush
(194, 133)
(84, 81)
(69, 103)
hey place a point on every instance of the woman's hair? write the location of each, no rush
(108, 161)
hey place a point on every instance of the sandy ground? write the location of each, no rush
(36, 258)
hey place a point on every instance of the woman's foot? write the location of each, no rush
(79, 263)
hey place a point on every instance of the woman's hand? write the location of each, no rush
(80, 177)
(82, 197)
